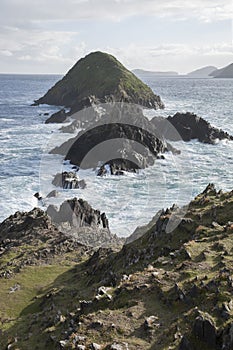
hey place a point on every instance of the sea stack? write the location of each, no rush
(99, 78)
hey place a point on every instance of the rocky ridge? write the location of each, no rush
(162, 290)
(79, 220)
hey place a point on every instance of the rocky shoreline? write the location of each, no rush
(72, 284)
(168, 289)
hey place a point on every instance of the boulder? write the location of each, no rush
(151, 322)
(95, 346)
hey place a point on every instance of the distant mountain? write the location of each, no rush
(141, 72)
(204, 72)
(225, 72)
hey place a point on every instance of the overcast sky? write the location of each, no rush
(49, 36)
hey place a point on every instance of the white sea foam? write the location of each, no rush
(129, 201)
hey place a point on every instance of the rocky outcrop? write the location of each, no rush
(58, 117)
(68, 180)
(78, 213)
(99, 78)
(123, 138)
(189, 126)
(89, 226)
(43, 240)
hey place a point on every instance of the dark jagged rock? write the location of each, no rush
(205, 330)
(99, 78)
(79, 219)
(78, 213)
(124, 138)
(58, 117)
(68, 180)
(189, 126)
(34, 230)
(123, 153)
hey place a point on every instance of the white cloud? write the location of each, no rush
(56, 51)
(6, 53)
(41, 50)
(41, 36)
(34, 44)
(19, 11)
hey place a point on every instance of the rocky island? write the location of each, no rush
(106, 101)
(99, 78)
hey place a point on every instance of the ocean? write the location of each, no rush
(26, 167)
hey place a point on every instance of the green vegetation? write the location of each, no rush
(150, 295)
(102, 77)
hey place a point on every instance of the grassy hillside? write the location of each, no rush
(162, 291)
(100, 76)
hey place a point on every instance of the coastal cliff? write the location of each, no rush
(162, 290)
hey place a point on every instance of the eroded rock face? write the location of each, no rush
(33, 229)
(189, 126)
(78, 213)
(89, 226)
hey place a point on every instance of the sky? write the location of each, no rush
(49, 36)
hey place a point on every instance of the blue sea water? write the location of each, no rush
(26, 167)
